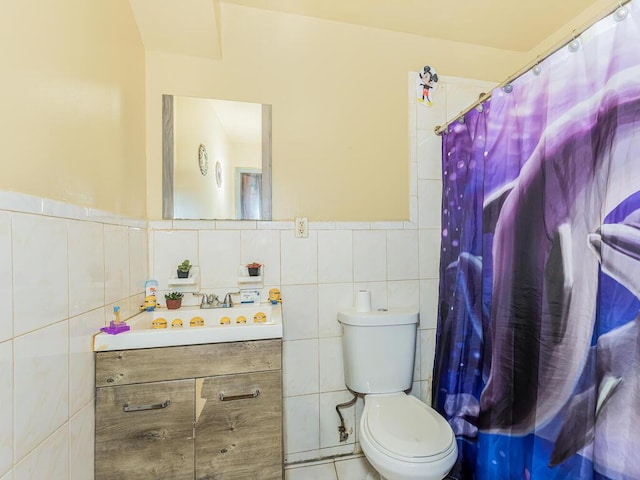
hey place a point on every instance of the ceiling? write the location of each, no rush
(504, 24)
(242, 121)
(192, 27)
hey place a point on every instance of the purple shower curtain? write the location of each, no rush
(538, 343)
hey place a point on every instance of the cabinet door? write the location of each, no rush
(145, 431)
(238, 435)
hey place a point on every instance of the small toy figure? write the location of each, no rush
(274, 296)
(427, 80)
(116, 326)
(196, 322)
(150, 303)
(159, 323)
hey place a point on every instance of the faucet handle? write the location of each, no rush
(228, 301)
(204, 298)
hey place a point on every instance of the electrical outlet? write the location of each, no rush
(301, 227)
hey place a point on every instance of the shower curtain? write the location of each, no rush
(538, 344)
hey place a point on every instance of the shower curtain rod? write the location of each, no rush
(439, 130)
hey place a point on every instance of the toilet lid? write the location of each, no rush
(406, 427)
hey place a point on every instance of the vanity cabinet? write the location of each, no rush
(191, 412)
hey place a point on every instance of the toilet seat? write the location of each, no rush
(403, 428)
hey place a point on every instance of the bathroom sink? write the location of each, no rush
(192, 325)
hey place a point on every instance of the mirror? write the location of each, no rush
(216, 159)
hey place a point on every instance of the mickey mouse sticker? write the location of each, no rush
(426, 84)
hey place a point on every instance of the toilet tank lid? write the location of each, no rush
(379, 318)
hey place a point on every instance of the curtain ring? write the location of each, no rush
(621, 12)
(574, 45)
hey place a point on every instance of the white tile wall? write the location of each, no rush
(329, 421)
(429, 203)
(370, 255)
(6, 400)
(335, 256)
(41, 383)
(6, 285)
(299, 258)
(429, 303)
(302, 424)
(300, 367)
(61, 268)
(331, 299)
(301, 310)
(405, 293)
(168, 249)
(50, 459)
(402, 255)
(87, 266)
(262, 246)
(40, 259)
(331, 366)
(81, 361)
(219, 254)
(116, 262)
(81, 435)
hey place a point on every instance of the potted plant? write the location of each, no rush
(174, 300)
(183, 269)
(254, 269)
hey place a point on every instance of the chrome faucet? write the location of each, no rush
(208, 301)
(228, 301)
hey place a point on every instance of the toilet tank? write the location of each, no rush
(379, 349)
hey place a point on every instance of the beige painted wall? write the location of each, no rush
(339, 96)
(73, 84)
(587, 18)
(197, 196)
(73, 98)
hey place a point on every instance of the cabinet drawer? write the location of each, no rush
(145, 431)
(239, 435)
(124, 367)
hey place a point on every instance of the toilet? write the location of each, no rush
(402, 437)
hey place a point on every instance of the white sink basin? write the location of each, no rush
(198, 326)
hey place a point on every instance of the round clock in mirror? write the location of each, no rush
(203, 159)
(218, 174)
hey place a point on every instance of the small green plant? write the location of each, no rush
(185, 266)
(173, 296)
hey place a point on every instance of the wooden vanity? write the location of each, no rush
(210, 411)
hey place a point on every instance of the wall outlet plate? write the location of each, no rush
(301, 227)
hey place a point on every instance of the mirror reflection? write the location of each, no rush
(216, 159)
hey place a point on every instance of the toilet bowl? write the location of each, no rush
(405, 439)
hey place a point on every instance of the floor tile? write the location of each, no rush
(355, 469)
(324, 471)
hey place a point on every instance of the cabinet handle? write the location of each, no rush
(239, 397)
(138, 408)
